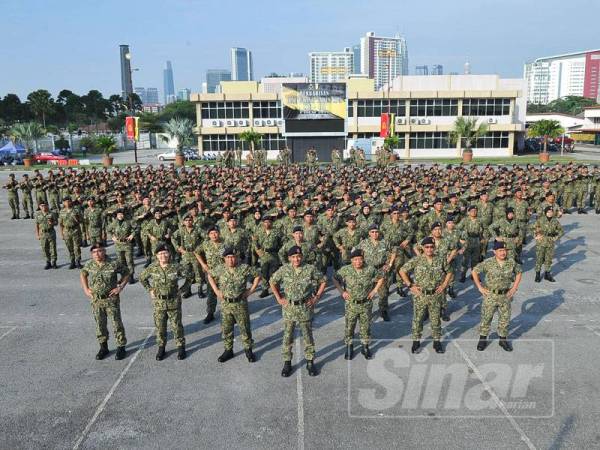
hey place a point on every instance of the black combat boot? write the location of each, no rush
(463, 277)
(597, 211)
(482, 344)
(582, 211)
(102, 352)
(548, 276)
(366, 351)
(566, 211)
(132, 280)
(250, 355)
(181, 353)
(385, 315)
(416, 345)
(13, 217)
(287, 369)
(121, 353)
(505, 344)
(84, 243)
(54, 266)
(139, 253)
(311, 369)
(209, 318)
(201, 292)
(437, 346)
(538, 277)
(72, 265)
(264, 293)
(444, 315)
(451, 292)
(48, 265)
(160, 354)
(187, 294)
(79, 266)
(148, 262)
(349, 351)
(225, 356)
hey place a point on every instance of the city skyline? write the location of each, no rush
(91, 44)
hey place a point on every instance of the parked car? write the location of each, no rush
(62, 152)
(45, 157)
(170, 155)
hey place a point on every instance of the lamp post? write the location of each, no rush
(389, 53)
(131, 111)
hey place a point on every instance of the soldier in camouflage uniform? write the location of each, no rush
(336, 158)
(329, 223)
(229, 282)
(161, 280)
(522, 211)
(26, 197)
(210, 255)
(358, 284)
(13, 195)
(187, 241)
(507, 230)
(546, 232)
(158, 230)
(431, 276)
(347, 238)
(122, 234)
(581, 189)
(93, 217)
(268, 241)
(472, 229)
(297, 288)
(45, 221)
(236, 237)
(70, 231)
(502, 278)
(100, 284)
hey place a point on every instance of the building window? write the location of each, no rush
(430, 140)
(266, 110)
(374, 108)
(225, 110)
(222, 142)
(494, 139)
(350, 106)
(486, 107)
(428, 107)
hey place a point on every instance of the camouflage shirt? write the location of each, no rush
(358, 283)
(69, 219)
(43, 221)
(427, 274)
(165, 283)
(102, 277)
(376, 252)
(232, 281)
(498, 275)
(298, 284)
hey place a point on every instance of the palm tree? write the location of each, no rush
(252, 138)
(181, 130)
(391, 142)
(27, 133)
(107, 144)
(466, 128)
(546, 129)
(41, 103)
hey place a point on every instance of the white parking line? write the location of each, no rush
(495, 398)
(6, 333)
(300, 399)
(114, 387)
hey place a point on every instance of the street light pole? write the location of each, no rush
(131, 111)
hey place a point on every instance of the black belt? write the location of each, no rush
(499, 291)
(552, 235)
(360, 302)
(234, 300)
(297, 302)
(473, 235)
(165, 297)
(512, 235)
(428, 291)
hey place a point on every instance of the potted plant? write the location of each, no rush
(467, 131)
(252, 138)
(390, 143)
(181, 130)
(27, 133)
(107, 144)
(546, 129)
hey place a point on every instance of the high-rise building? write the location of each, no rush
(214, 77)
(421, 70)
(437, 69)
(241, 64)
(141, 93)
(331, 67)
(356, 55)
(152, 96)
(553, 77)
(184, 94)
(126, 85)
(383, 58)
(168, 84)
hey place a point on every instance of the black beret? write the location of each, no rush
(295, 250)
(437, 200)
(297, 228)
(435, 225)
(351, 217)
(67, 198)
(498, 245)
(266, 217)
(471, 207)
(510, 210)
(547, 208)
(373, 227)
(427, 241)
(213, 228)
(95, 246)
(161, 248)
(228, 251)
(450, 218)
(356, 252)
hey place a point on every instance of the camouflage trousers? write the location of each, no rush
(268, 266)
(302, 316)
(360, 313)
(73, 243)
(48, 244)
(191, 265)
(108, 308)
(124, 255)
(27, 203)
(568, 198)
(488, 308)
(384, 292)
(13, 202)
(432, 304)
(160, 322)
(580, 195)
(54, 202)
(232, 313)
(471, 256)
(543, 257)
(211, 300)
(95, 235)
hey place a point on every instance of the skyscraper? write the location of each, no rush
(383, 58)
(330, 67)
(437, 69)
(168, 84)
(214, 77)
(126, 85)
(241, 64)
(356, 53)
(184, 94)
(141, 93)
(152, 96)
(421, 70)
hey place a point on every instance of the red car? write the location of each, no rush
(45, 157)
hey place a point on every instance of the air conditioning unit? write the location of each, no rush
(242, 123)
(258, 122)
(216, 123)
(400, 121)
(230, 123)
(279, 122)
(492, 120)
(270, 122)
(414, 121)
(424, 121)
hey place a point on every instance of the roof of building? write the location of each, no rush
(565, 55)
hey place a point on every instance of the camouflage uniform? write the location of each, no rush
(161, 230)
(551, 231)
(102, 278)
(121, 229)
(473, 233)
(298, 286)
(329, 252)
(268, 244)
(46, 223)
(69, 220)
(499, 279)
(191, 242)
(376, 254)
(507, 231)
(94, 224)
(347, 241)
(26, 198)
(13, 197)
(213, 252)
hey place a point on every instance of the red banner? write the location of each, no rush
(130, 127)
(385, 125)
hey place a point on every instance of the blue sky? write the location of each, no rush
(74, 44)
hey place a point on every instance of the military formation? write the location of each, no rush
(286, 230)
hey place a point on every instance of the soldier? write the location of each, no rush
(26, 197)
(229, 282)
(336, 158)
(472, 229)
(70, 232)
(94, 222)
(454, 246)
(502, 278)
(99, 281)
(45, 221)
(210, 255)
(161, 280)
(13, 195)
(329, 223)
(546, 232)
(122, 234)
(431, 276)
(297, 288)
(187, 241)
(347, 238)
(236, 237)
(158, 230)
(358, 284)
(581, 189)
(268, 241)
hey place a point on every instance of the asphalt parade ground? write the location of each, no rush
(54, 394)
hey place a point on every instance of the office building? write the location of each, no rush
(214, 78)
(437, 69)
(168, 84)
(241, 64)
(383, 58)
(356, 56)
(126, 84)
(183, 94)
(421, 70)
(152, 96)
(141, 93)
(553, 77)
(330, 67)
(273, 85)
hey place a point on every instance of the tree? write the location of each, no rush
(134, 100)
(571, 104)
(180, 129)
(546, 129)
(95, 105)
(27, 133)
(12, 110)
(70, 106)
(150, 122)
(117, 105)
(391, 142)
(41, 104)
(107, 144)
(252, 138)
(467, 129)
(181, 108)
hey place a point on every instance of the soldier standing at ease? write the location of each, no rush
(122, 234)
(473, 233)
(358, 284)
(13, 195)
(547, 230)
(268, 240)
(431, 275)
(161, 280)
(229, 282)
(70, 231)
(502, 278)
(187, 241)
(99, 281)
(336, 158)
(210, 255)
(297, 288)
(94, 222)
(45, 221)
(26, 197)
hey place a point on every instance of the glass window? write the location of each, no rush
(433, 107)
(429, 140)
(486, 107)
